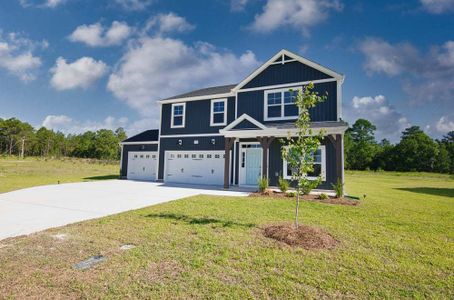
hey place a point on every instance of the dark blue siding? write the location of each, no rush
(197, 117)
(171, 144)
(252, 103)
(245, 124)
(286, 73)
(276, 164)
(127, 149)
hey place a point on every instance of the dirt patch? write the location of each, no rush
(316, 198)
(307, 237)
(163, 270)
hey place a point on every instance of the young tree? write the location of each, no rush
(299, 151)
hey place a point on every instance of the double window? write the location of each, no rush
(319, 166)
(178, 115)
(280, 104)
(218, 115)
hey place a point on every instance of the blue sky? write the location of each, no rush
(76, 65)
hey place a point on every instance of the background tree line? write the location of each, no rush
(416, 151)
(20, 138)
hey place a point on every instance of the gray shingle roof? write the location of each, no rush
(222, 89)
(290, 125)
(151, 135)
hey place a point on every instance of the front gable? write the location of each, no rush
(284, 68)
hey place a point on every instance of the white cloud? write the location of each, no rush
(381, 113)
(167, 23)
(54, 3)
(424, 77)
(43, 3)
(133, 4)
(80, 74)
(238, 5)
(438, 6)
(95, 35)
(67, 124)
(16, 56)
(154, 68)
(445, 124)
(298, 14)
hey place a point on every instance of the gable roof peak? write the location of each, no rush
(294, 56)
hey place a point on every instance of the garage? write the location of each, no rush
(194, 167)
(142, 165)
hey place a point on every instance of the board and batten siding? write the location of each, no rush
(276, 164)
(197, 117)
(286, 73)
(252, 103)
(133, 148)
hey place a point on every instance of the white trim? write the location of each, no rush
(291, 55)
(190, 135)
(172, 116)
(236, 104)
(159, 140)
(195, 98)
(213, 101)
(322, 163)
(139, 143)
(282, 105)
(284, 85)
(241, 119)
(121, 159)
(239, 161)
(339, 99)
(280, 132)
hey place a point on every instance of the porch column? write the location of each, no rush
(339, 157)
(228, 145)
(265, 142)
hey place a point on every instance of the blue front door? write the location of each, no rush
(253, 165)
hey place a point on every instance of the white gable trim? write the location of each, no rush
(242, 118)
(294, 57)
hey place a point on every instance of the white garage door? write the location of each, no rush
(195, 167)
(142, 165)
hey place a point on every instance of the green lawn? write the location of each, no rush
(18, 173)
(398, 243)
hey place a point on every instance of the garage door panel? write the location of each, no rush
(195, 167)
(142, 165)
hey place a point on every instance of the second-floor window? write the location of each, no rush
(178, 115)
(218, 115)
(280, 104)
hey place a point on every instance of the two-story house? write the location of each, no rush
(231, 135)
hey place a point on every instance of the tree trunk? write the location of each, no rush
(297, 207)
(10, 146)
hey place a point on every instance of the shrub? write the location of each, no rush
(323, 196)
(338, 188)
(263, 184)
(283, 184)
(291, 194)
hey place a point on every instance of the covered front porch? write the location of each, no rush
(253, 151)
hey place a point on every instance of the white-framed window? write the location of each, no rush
(218, 112)
(178, 115)
(319, 166)
(280, 104)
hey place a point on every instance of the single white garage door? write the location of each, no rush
(195, 167)
(142, 165)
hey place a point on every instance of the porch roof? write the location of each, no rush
(279, 129)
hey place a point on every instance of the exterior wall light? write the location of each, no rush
(180, 142)
(213, 141)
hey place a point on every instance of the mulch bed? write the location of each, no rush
(307, 237)
(316, 198)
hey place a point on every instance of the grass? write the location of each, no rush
(18, 173)
(398, 243)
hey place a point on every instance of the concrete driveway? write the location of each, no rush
(38, 208)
